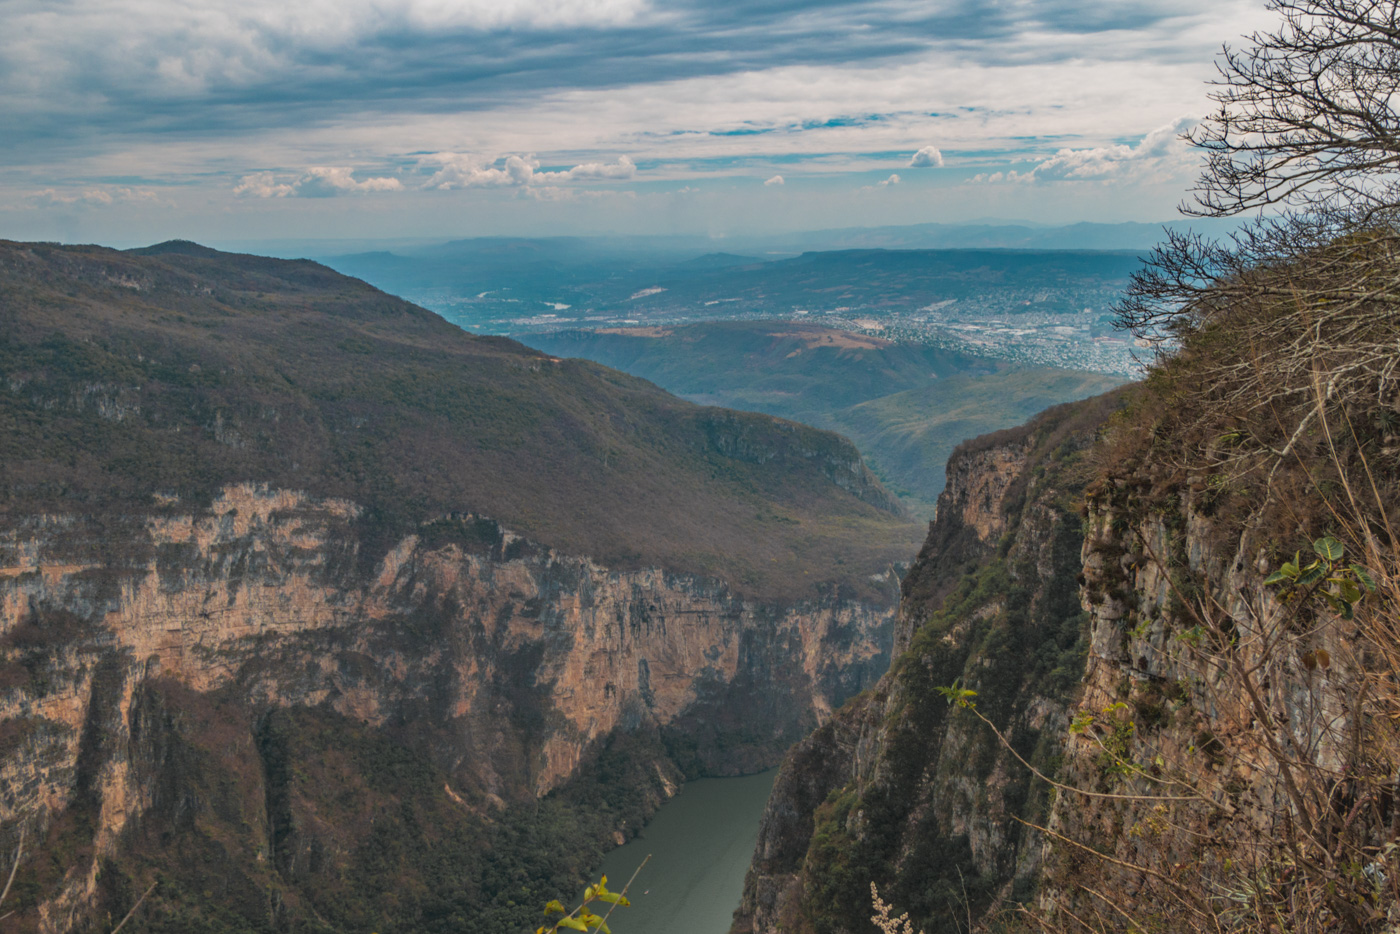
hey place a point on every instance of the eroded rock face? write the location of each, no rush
(905, 790)
(504, 663)
(1162, 578)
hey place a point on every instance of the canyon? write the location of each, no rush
(319, 613)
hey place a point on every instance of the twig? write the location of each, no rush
(19, 852)
(623, 892)
(123, 921)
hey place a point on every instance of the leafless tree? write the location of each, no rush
(1305, 114)
(1306, 126)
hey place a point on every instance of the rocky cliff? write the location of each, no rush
(1146, 667)
(326, 616)
(502, 665)
(900, 787)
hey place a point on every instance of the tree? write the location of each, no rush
(1306, 124)
(1305, 113)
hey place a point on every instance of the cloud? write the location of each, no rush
(315, 182)
(621, 169)
(465, 171)
(1011, 177)
(263, 185)
(893, 180)
(1158, 151)
(97, 197)
(187, 97)
(773, 182)
(926, 157)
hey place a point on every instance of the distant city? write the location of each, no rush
(1000, 327)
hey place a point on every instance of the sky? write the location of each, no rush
(132, 121)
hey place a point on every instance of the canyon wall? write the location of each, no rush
(207, 677)
(901, 787)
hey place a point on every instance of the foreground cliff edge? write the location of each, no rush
(1178, 603)
(898, 788)
(326, 615)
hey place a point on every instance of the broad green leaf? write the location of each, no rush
(554, 905)
(1329, 548)
(1311, 575)
(573, 924)
(1365, 577)
(612, 898)
(1278, 577)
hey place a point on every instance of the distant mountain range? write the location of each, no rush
(518, 286)
(988, 234)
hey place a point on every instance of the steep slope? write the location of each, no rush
(326, 615)
(905, 405)
(1238, 718)
(1227, 760)
(905, 790)
(288, 374)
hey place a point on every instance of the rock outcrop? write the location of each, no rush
(507, 666)
(901, 787)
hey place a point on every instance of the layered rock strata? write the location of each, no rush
(504, 666)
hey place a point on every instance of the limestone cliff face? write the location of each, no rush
(901, 788)
(134, 649)
(1210, 707)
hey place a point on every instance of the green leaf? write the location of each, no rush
(1312, 575)
(554, 905)
(573, 924)
(1365, 577)
(612, 898)
(1329, 548)
(1348, 591)
(1278, 577)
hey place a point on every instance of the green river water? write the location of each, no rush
(700, 843)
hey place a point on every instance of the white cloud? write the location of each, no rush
(774, 181)
(316, 182)
(893, 179)
(622, 168)
(1011, 177)
(263, 185)
(1160, 151)
(98, 197)
(461, 170)
(928, 156)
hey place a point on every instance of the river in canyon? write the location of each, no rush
(700, 843)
